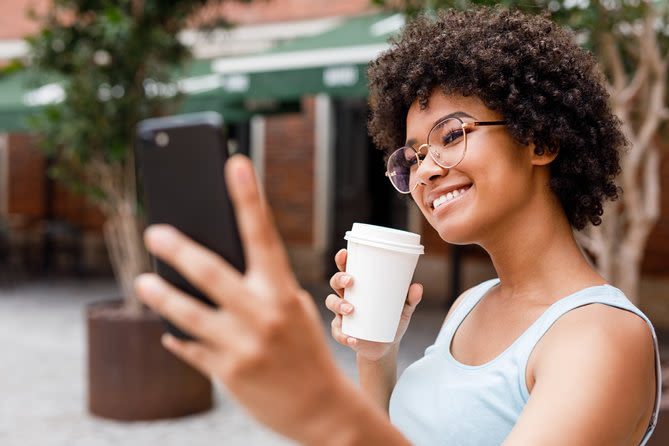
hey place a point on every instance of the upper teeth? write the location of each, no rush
(448, 197)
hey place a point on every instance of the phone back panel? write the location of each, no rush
(181, 160)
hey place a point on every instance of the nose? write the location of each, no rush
(429, 170)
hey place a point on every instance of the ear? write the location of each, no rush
(544, 159)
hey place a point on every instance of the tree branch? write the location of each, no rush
(649, 43)
(613, 58)
(627, 93)
(652, 184)
(652, 111)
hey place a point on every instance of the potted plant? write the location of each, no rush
(103, 54)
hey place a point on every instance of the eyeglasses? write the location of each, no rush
(447, 145)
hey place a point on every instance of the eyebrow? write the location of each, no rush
(457, 114)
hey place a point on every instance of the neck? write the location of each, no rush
(534, 252)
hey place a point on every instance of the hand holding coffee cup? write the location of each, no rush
(374, 301)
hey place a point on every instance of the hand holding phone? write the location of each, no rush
(265, 343)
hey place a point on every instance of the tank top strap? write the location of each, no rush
(467, 304)
(604, 294)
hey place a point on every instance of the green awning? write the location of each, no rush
(17, 101)
(333, 62)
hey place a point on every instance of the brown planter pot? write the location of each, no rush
(130, 374)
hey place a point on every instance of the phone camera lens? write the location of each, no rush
(162, 139)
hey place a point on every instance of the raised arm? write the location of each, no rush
(264, 342)
(377, 361)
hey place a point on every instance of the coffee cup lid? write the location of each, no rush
(387, 238)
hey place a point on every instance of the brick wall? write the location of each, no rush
(289, 172)
(76, 209)
(15, 24)
(14, 21)
(27, 182)
(287, 10)
(656, 260)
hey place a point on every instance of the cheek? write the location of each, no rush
(497, 166)
(503, 189)
(501, 181)
(417, 197)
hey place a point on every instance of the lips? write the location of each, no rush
(445, 195)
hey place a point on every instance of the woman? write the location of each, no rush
(506, 141)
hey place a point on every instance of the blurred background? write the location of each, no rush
(288, 76)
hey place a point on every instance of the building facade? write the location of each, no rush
(319, 167)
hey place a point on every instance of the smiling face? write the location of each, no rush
(491, 190)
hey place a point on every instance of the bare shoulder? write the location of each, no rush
(613, 331)
(593, 380)
(599, 337)
(606, 356)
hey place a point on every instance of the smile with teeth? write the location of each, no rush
(443, 199)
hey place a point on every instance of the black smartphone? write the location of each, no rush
(180, 175)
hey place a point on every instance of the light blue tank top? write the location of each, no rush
(440, 401)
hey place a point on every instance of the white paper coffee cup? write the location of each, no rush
(382, 262)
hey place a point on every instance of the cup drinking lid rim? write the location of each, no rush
(396, 246)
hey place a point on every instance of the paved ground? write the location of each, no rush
(43, 383)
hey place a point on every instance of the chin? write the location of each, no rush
(456, 231)
(456, 238)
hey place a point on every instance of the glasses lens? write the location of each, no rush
(447, 142)
(402, 164)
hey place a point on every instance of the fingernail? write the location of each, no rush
(345, 280)
(149, 286)
(150, 283)
(159, 238)
(350, 341)
(167, 340)
(346, 308)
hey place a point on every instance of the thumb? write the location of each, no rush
(414, 296)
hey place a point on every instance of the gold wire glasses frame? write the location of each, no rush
(406, 160)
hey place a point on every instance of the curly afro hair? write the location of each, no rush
(548, 89)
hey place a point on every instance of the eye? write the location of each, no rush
(405, 158)
(447, 133)
(451, 136)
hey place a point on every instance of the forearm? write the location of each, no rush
(351, 418)
(377, 378)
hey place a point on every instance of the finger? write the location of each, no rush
(340, 259)
(263, 248)
(338, 305)
(198, 355)
(338, 335)
(331, 302)
(203, 268)
(189, 314)
(339, 281)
